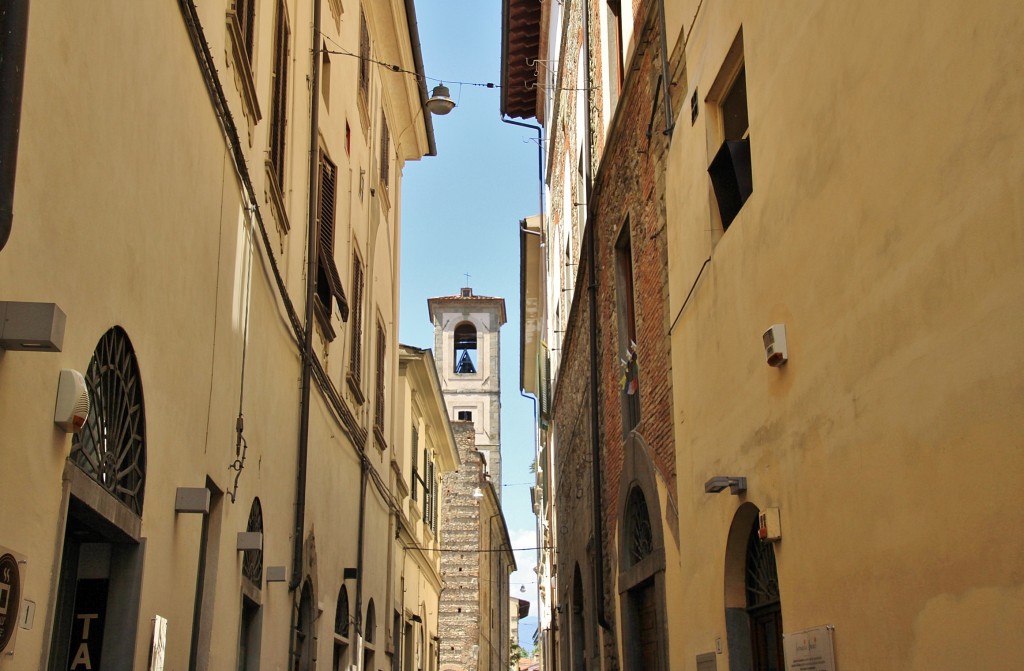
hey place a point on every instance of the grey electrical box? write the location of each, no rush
(31, 327)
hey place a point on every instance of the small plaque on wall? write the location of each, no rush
(810, 649)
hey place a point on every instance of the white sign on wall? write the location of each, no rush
(156, 657)
(810, 649)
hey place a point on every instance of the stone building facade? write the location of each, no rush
(476, 561)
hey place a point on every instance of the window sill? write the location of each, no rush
(354, 387)
(273, 193)
(244, 81)
(323, 320)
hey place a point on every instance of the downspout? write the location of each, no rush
(670, 122)
(307, 336)
(13, 40)
(363, 475)
(595, 415)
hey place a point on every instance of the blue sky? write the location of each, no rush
(460, 214)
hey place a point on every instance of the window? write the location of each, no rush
(325, 80)
(341, 635)
(414, 452)
(465, 415)
(378, 411)
(241, 20)
(355, 362)
(370, 636)
(730, 169)
(364, 56)
(252, 617)
(328, 282)
(279, 95)
(111, 448)
(465, 349)
(630, 372)
(245, 15)
(429, 492)
(385, 152)
(614, 50)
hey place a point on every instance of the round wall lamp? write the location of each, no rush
(440, 102)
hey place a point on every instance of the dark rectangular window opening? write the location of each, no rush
(626, 308)
(279, 94)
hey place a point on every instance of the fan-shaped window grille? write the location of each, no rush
(640, 538)
(111, 447)
(341, 614)
(252, 560)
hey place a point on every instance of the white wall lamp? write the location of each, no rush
(736, 484)
(440, 102)
(249, 541)
(478, 493)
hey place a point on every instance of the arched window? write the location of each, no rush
(341, 629)
(465, 351)
(252, 560)
(639, 537)
(304, 639)
(111, 448)
(577, 630)
(369, 636)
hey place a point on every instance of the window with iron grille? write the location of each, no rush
(328, 282)
(279, 94)
(414, 451)
(385, 151)
(378, 414)
(364, 55)
(355, 362)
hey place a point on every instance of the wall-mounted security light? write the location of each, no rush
(775, 350)
(31, 327)
(478, 493)
(736, 484)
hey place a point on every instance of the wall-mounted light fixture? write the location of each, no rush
(440, 102)
(249, 540)
(478, 493)
(736, 484)
(192, 500)
(275, 574)
(31, 327)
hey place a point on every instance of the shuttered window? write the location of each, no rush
(414, 452)
(355, 363)
(364, 55)
(378, 411)
(279, 93)
(328, 281)
(385, 151)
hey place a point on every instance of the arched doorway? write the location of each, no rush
(100, 574)
(304, 638)
(753, 603)
(577, 627)
(641, 562)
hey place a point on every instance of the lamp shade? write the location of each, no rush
(440, 100)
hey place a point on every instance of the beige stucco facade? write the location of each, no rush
(164, 191)
(884, 232)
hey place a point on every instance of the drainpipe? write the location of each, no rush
(595, 415)
(670, 122)
(363, 476)
(307, 336)
(13, 39)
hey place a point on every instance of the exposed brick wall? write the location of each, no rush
(459, 613)
(629, 184)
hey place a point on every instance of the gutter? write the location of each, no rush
(595, 415)
(13, 41)
(417, 59)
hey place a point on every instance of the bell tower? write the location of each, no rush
(467, 351)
